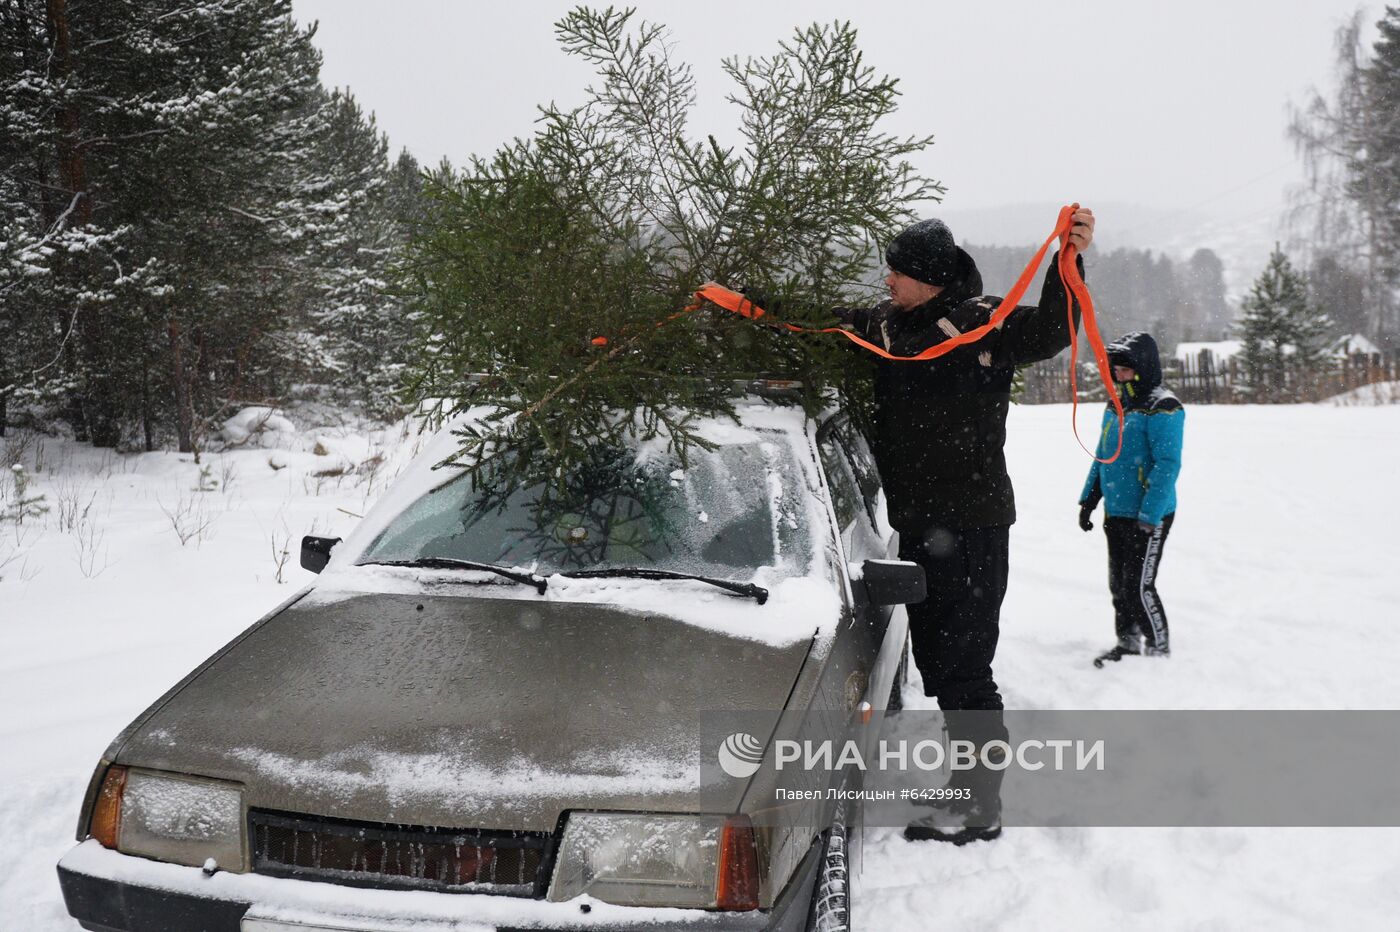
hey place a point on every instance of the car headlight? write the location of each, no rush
(706, 862)
(171, 817)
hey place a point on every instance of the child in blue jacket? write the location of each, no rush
(1139, 495)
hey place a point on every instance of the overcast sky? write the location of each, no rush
(1176, 104)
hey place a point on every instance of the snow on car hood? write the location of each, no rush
(463, 712)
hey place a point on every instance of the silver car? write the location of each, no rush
(482, 713)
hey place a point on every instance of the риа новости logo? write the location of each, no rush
(740, 755)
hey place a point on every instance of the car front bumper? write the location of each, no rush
(106, 891)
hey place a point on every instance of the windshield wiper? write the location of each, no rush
(447, 563)
(758, 593)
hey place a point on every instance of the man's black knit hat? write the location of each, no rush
(926, 252)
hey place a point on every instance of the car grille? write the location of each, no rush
(371, 854)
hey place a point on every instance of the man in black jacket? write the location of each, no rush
(938, 434)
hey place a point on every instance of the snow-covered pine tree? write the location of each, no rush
(1174, 301)
(1208, 313)
(172, 148)
(24, 310)
(1284, 334)
(405, 191)
(21, 264)
(57, 277)
(383, 389)
(1310, 332)
(551, 264)
(358, 330)
(223, 212)
(1380, 178)
(1261, 325)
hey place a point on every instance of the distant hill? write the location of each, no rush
(1243, 245)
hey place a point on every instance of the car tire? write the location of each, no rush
(831, 899)
(895, 703)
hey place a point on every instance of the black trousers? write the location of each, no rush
(955, 629)
(954, 632)
(1133, 558)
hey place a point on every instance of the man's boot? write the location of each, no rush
(958, 821)
(973, 811)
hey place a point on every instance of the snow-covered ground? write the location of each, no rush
(1279, 583)
(1278, 579)
(98, 621)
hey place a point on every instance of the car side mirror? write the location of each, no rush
(894, 582)
(316, 552)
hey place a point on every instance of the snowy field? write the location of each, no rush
(1279, 580)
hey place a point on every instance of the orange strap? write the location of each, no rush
(1075, 292)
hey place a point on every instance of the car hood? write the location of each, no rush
(462, 712)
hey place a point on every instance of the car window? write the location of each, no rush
(845, 491)
(727, 512)
(862, 463)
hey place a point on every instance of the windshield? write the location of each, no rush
(729, 513)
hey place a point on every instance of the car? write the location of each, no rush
(481, 713)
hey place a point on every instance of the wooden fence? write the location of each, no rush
(1203, 380)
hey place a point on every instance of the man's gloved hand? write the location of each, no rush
(758, 298)
(844, 314)
(1086, 517)
(1146, 528)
